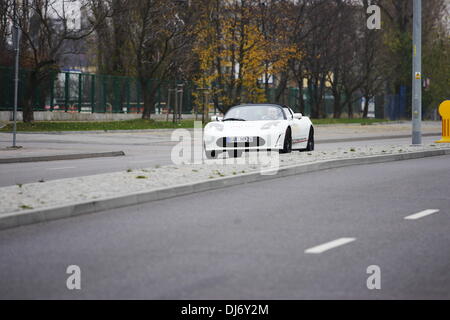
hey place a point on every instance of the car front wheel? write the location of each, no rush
(311, 143)
(287, 147)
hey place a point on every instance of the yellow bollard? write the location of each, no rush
(444, 110)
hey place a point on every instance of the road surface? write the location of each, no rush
(310, 236)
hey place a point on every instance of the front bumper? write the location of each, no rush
(260, 141)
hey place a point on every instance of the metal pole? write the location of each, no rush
(203, 94)
(180, 104)
(168, 105)
(16, 73)
(175, 110)
(196, 111)
(203, 106)
(206, 109)
(417, 74)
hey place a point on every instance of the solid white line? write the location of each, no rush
(330, 245)
(61, 168)
(422, 214)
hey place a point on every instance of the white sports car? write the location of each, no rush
(258, 127)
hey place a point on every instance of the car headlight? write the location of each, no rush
(215, 126)
(269, 125)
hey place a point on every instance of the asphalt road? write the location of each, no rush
(142, 152)
(250, 241)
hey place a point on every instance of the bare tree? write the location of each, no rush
(48, 32)
(159, 31)
(341, 47)
(5, 31)
(112, 35)
(397, 29)
(318, 54)
(372, 74)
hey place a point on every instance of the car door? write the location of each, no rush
(295, 125)
(303, 129)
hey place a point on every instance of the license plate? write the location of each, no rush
(239, 139)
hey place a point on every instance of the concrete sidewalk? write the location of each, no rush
(136, 143)
(351, 132)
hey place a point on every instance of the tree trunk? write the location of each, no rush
(318, 110)
(315, 103)
(27, 108)
(337, 93)
(312, 101)
(28, 115)
(350, 108)
(281, 89)
(149, 101)
(217, 105)
(337, 106)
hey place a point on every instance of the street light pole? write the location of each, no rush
(417, 74)
(16, 72)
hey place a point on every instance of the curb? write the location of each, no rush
(63, 157)
(97, 131)
(17, 219)
(371, 138)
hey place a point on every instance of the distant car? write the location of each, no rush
(258, 127)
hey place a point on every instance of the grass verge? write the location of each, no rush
(348, 121)
(138, 124)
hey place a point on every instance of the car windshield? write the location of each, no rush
(254, 113)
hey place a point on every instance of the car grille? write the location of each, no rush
(257, 142)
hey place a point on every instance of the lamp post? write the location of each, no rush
(417, 74)
(16, 42)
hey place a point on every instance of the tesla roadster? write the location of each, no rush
(252, 127)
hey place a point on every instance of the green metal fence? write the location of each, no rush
(291, 97)
(91, 93)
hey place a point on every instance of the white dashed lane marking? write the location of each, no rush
(330, 245)
(422, 214)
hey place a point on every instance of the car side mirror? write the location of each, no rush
(216, 118)
(298, 116)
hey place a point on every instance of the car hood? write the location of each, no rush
(231, 128)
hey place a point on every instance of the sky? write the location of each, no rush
(68, 8)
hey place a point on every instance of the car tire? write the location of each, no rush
(311, 144)
(287, 146)
(211, 154)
